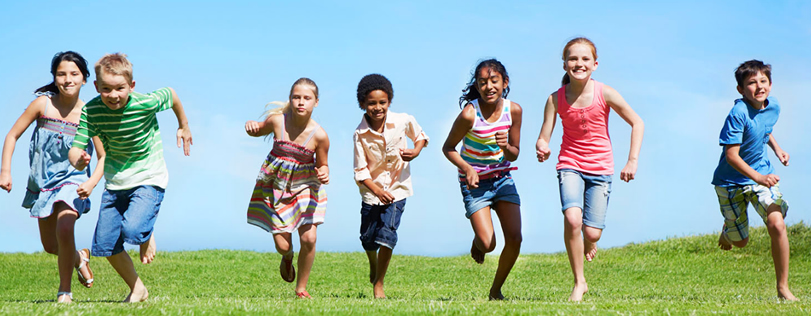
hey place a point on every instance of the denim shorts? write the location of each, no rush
(126, 216)
(577, 189)
(733, 206)
(379, 223)
(490, 191)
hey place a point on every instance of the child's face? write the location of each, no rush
(114, 90)
(490, 84)
(68, 78)
(580, 62)
(302, 100)
(756, 89)
(377, 106)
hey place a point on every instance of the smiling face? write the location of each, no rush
(69, 78)
(579, 62)
(490, 85)
(303, 100)
(756, 89)
(377, 106)
(114, 89)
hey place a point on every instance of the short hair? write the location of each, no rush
(750, 68)
(114, 64)
(371, 83)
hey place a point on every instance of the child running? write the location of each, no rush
(585, 163)
(745, 174)
(382, 172)
(489, 128)
(288, 195)
(135, 172)
(57, 193)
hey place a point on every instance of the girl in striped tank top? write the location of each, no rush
(585, 163)
(57, 193)
(288, 195)
(489, 128)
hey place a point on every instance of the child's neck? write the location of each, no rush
(576, 87)
(376, 126)
(757, 105)
(297, 124)
(64, 101)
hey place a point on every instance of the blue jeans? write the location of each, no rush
(126, 216)
(489, 191)
(379, 223)
(588, 192)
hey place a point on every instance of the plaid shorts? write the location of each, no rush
(733, 206)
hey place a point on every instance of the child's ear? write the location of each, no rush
(740, 90)
(96, 84)
(132, 86)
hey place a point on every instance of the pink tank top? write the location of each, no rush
(586, 146)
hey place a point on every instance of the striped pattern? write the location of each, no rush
(58, 126)
(287, 194)
(479, 148)
(131, 138)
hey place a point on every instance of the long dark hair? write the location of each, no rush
(470, 93)
(59, 58)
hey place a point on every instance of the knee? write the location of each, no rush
(776, 228)
(592, 235)
(283, 249)
(741, 243)
(64, 231)
(574, 222)
(513, 238)
(307, 240)
(488, 245)
(50, 248)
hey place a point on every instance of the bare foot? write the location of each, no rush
(724, 243)
(786, 295)
(589, 250)
(379, 293)
(495, 295)
(148, 250)
(138, 293)
(476, 254)
(64, 299)
(578, 291)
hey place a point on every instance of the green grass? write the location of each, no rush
(686, 275)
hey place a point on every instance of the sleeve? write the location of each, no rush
(84, 132)
(732, 132)
(163, 97)
(414, 131)
(361, 167)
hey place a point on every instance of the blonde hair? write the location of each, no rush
(572, 42)
(283, 106)
(114, 64)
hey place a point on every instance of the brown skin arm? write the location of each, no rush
(462, 124)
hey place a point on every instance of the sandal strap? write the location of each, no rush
(58, 294)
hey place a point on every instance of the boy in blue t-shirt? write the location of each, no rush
(744, 173)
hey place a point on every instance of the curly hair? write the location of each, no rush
(470, 93)
(371, 83)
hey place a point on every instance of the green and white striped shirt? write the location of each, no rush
(131, 139)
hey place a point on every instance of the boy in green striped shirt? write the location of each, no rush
(135, 171)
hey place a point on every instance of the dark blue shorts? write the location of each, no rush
(379, 223)
(126, 216)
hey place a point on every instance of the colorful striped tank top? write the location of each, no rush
(479, 148)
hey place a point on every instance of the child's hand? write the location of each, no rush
(5, 181)
(85, 189)
(409, 154)
(627, 174)
(542, 152)
(252, 128)
(768, 180)
(782, 155)
(502, 139)
(472, 178)
(83, 161)
(184, 138)
(323, 174)
(385, 197)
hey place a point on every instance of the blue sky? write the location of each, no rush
(672, 61)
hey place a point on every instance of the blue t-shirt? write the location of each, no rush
(750, 128)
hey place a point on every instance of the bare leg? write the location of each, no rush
(572, 226)
(591, 236)
(372, 256)
(484, 240)
(780, 251)
(509, 215)
(307, 237)
(122, 264)
(148, 250)
(56, 233)
(284, 246)
(383, 259)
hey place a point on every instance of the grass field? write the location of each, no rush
(686, 275)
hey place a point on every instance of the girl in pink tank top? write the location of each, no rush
(585, 162)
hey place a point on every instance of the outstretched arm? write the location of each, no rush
(782, 155)
(183, 130)
(463, 123)
(86, 188)
(30, 114)
(615, 100)
(542, 145)
(256, 129)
